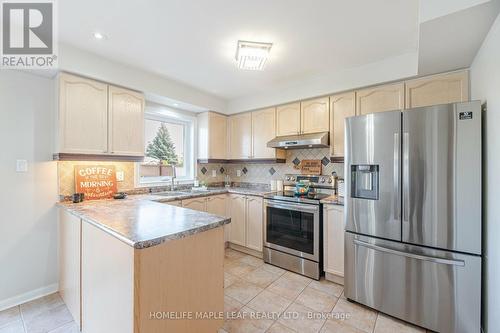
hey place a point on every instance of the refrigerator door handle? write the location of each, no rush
(397, 181)
(406, 178)
(410, 255)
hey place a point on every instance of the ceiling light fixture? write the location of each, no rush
(99, 36)
(252, 55)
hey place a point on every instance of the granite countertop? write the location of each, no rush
(333, 200)
(143, 220)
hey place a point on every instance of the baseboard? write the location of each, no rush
(334, 278)
(29, 296)
(246, 250)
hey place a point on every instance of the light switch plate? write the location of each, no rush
(214, 173)
(120, 176)
(21, 166)
(238, 173)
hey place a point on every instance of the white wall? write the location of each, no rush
(28, 222)
(485, 85)
(81, 62)
(390, 69)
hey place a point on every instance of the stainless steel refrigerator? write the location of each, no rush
(413, 215)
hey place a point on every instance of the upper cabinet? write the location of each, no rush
(263, 130)
(341, 107)
(98, 119)
(315, 115)
(240, 128)
(437, 89)
(126, 119)
(382, 98)
(288, 119)
(83, 115)
(212, 136)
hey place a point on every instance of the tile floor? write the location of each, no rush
(262, 298)
(257, 298)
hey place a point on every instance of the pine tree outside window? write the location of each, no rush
(168, 141)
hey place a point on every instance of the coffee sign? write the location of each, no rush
(310, 167)
(96, 182)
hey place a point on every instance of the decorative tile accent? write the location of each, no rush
(325, 161)
(221, 170)
(204, 170)
(296, 161)
(272, 171)
(245, 170)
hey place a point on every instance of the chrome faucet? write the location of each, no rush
(174, 176)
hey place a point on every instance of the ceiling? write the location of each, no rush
(194, 41)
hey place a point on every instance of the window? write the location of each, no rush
(169, 143)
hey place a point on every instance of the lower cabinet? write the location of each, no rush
(196, 204)
(246, 221)
(333, 242)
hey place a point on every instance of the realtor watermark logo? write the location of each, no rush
(28, 34)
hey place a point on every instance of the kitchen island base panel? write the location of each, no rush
(127, 290)
(181, 276)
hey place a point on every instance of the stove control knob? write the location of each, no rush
(322, 180)
(292, 179)
(287, 178)
(329, 180)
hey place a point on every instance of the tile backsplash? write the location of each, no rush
(263, 173)
(250, 173)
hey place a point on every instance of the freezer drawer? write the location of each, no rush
(435, 289)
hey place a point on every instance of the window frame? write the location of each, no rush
(189, 122)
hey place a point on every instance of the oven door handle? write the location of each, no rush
(297, 207)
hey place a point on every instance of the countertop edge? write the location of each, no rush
(142, 244)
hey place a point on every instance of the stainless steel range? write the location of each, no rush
(293, 225)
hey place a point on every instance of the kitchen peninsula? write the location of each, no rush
(140, 265)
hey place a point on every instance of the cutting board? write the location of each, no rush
(310, 167)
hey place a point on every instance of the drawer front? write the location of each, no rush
(438, 290)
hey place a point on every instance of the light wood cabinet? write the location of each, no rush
(382, 98)
(238, 217)
(247, 221)
(126, 122)
(98, 119)
(315, 115)
(333, 242)
(69, 263)
(83, 115)
(263, 131)
(341, 107)
(254, 223)
(288, 119)
(199, 204)
(437, 89)
(217, 205)
(212, 136)
(240, 127)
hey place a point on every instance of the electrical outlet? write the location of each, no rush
(214, 173)
(238, 173)
(120, 176)
(21, 166)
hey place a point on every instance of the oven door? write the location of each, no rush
(292, 228)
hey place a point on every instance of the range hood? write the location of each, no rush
(314, 140)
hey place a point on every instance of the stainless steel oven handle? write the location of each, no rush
(297, 207)
(410, 255)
